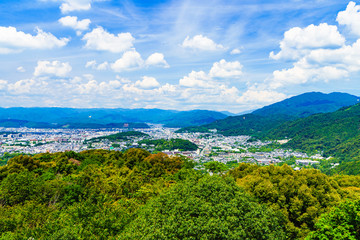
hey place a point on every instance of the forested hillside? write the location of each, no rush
(262, 120)
(333, 134)
(102, 194)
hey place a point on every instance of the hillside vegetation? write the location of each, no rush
(103, 194)
(260, 121)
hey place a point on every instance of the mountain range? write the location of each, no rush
(95, 118)
(262, 120)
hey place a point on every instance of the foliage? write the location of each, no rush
(343, 222)
(302, 196)
(171, 144)
(6, 157)
(88, 195)
(215, 167)
(122, 136)
(206, 208)
(100, 194)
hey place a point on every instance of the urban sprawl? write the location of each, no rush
(212, 146)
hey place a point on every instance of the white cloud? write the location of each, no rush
(320, 65)
(298, 42)
(196, 79)
(12, 40)
(99, 39)
(102, 66)
(21, 69)
(3, 84)
(167, 88)
(72, 22)
(75, 5)
(27, 86)
(235, 51)
(54, 68)
(201, 42)
(157, 59)
(147, 83)
(350, 18)
(223, 69)
(130, 60)
(260, 96)
(91, 64)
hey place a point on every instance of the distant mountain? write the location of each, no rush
(192, 118)
(309, 103)
(14, 123)
(272, 116)
(91, 117)
(229, 113)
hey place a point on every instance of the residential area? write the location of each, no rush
(211, 146)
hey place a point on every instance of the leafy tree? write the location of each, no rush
(215, 167)
(342, 222)
(302, 196)
(208, 208)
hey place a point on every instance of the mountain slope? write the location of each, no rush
(310, 103)
(262, 120)
(248, 124)
(335, 133)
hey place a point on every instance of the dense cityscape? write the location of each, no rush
(211, 146)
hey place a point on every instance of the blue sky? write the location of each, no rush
(216, 55)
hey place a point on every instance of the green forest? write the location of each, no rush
(101, 194)
(171, 144)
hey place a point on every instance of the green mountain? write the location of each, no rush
(310, 103)
(248, 124)
(335, 133)
(272, 116)
(73, 116)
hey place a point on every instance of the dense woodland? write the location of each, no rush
(101, 194)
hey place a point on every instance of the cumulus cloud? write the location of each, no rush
(157, 59)
(75, 5)
(235, 51)
(12, 40)
(223, 69)
(196, 79)
(100, 39)
(3, 84)
(147, 83)
(54, 68)
(298, 42)
(320, 65)
(320, 53)
(27, 86)
(201, 42)
(350, 18)
(74, 23)
(130, 60)
(102, 66)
